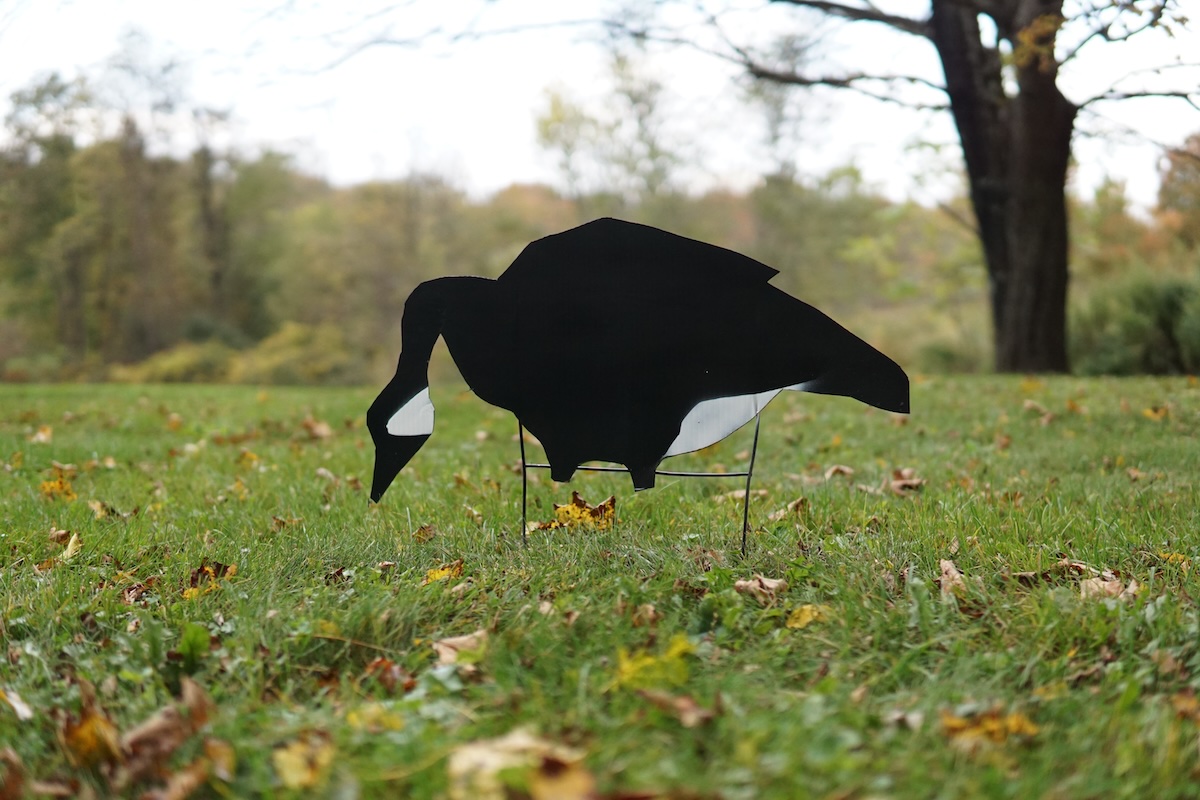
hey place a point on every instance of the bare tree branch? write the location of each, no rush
(1192, 98)
(1106, 31)
(868, 13)
(853, 81)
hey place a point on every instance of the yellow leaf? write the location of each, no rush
(555, 779)
(73, 547)
(806, 615)
(303, 763)
(647, 671)
(374, 718)
(476, 770)
(91, 739)
(57, 489)
(1155, 414)
(43, 435)
(452, 570)
(578, 513)
(975, 730)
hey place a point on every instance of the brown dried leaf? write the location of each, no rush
(316, 428)
(148, 746)
(739, 495)
(449, 649)
(91, 739)
(683, 707)
(796, 508)
(951, 580)
(390, 675)
(905, 481)
(839, 469)
(764, 590)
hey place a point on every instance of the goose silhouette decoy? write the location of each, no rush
(620, 342)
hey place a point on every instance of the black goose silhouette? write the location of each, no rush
(620, 342)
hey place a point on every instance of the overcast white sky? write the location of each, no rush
(467, 109)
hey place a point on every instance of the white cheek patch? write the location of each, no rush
(415, 418)
(710, 421)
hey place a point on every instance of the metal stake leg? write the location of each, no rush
(749, 475)
(524, 484)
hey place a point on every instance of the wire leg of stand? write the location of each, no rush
(524, 484)
(749, 475)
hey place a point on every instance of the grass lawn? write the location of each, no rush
(992, 598)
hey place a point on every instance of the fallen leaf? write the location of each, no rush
(57, 489)
(646, 670)
(452, 570)
(684, 708)
(91, 738)
(800, 618)
(475, 516)
(578, 513)
(1108, 585)
(316, 428)
(764, 590)
(450, 649)
(390, 675)
(839, 469)
(43, 435)
(279, 523)
(74, 545)
(951, 580)
(58, 536)
(975, 730)
(207, 578)
(182, 783)
(1156, 413)
(374, 718)
(304, 762)
(739, 494)
(19, 706)
(905, 481)
(221, 756)
(556, 779)
(475, 769)
(148, 746)
(796, 508)
(424, 533)
(12, 781)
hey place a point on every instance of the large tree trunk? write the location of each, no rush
(1016, 151)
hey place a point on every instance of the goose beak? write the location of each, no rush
(391, 455)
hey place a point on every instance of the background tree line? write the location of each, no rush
(118, 261)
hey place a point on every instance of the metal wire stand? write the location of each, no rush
(748, 474)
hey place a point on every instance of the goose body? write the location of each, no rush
(620, 342)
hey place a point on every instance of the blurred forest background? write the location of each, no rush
(122, 258)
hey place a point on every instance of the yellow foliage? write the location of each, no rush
(303, 763)
(806, 615)
(57, 489)
(644, 670)
(452, 570)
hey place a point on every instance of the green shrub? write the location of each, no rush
(299, 354)
(188, 362)
(1141, 325)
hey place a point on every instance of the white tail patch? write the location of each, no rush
(414, 418)
(710, 421)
